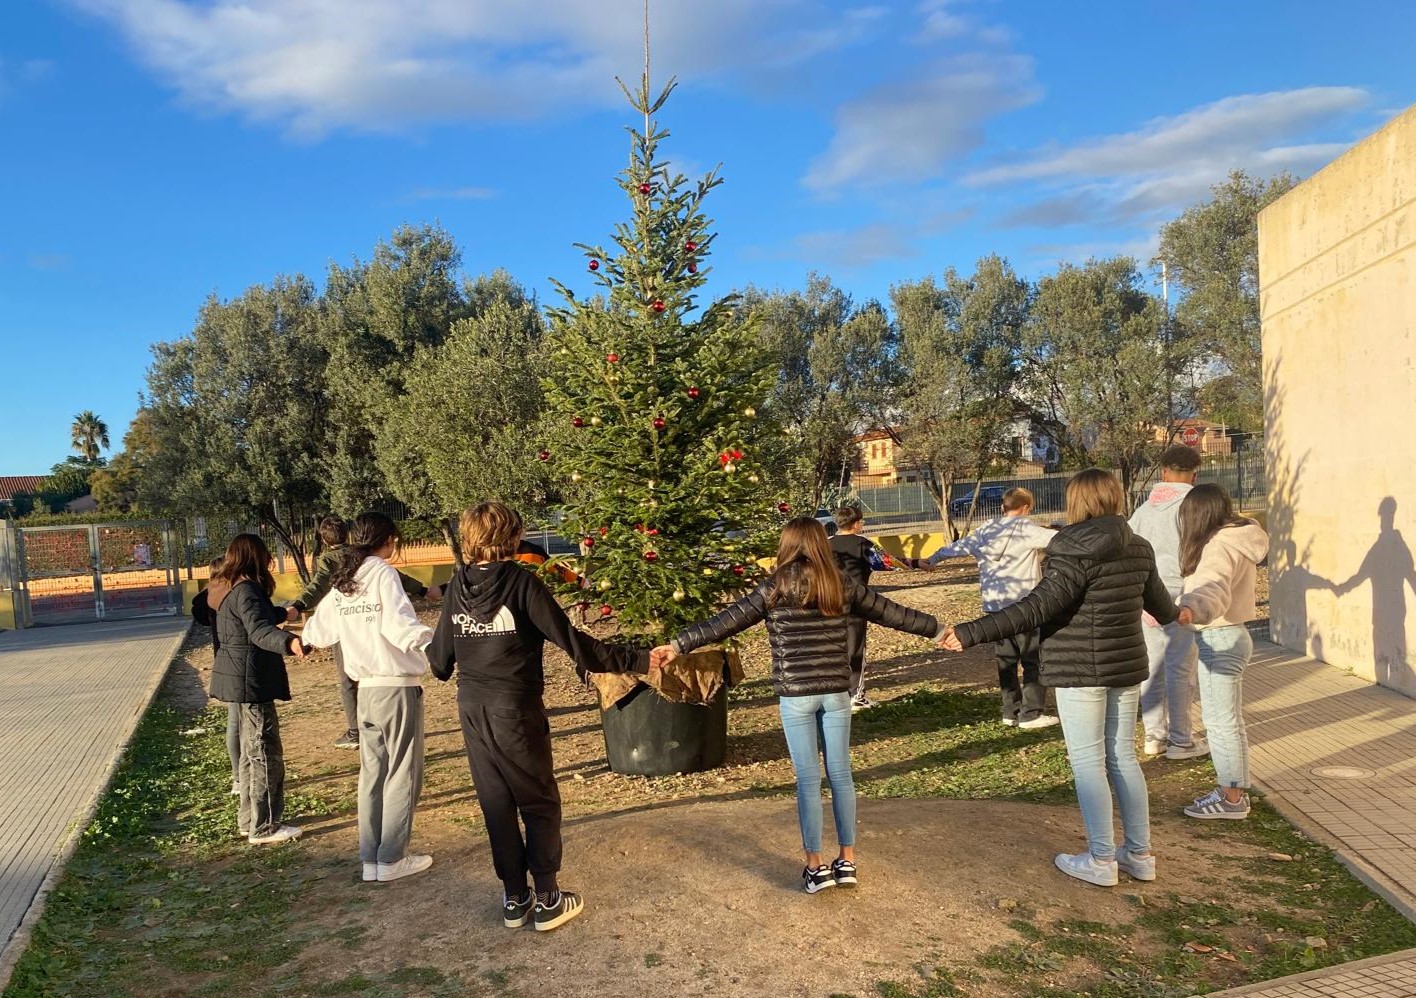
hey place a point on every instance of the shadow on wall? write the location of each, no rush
(1290, 579)
(1389, 567)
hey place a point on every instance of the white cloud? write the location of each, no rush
(1171, 162)
(316, 65)
(454, 193)
(940, 22)
(906, 132)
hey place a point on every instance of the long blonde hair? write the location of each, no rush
(1093, 493)
(806, 572)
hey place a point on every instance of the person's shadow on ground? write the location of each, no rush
(1390, 568)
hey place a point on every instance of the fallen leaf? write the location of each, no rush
(1227, 956)
(1316, 942)
(1194, 947)
(1280, 857)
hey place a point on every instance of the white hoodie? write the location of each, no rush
(1008, 549)
(1221, 590)
(1158, 521)
(376, 628)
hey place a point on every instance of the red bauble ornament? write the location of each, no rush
(689, 247)
(606, 609)
(658, 305)
(783, 507)
(613, 358)
(594, 264)
(588, 541)
(659, 423)
(693, 268)
(577, 422)
(653, 531)
(545, 455)
(739, 570)
(604, 531)
(737, 455)
(651, 555)
(646, 189)
(693, 393)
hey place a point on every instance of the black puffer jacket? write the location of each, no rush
(1097, 579)
(808, 649)
(250, 665)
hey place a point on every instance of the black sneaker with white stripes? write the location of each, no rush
(556, 909)
(818, 878)
(845, 873)
(516, 911)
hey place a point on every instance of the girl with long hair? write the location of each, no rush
(1219, 553)
(1097, 579)
(808, 607)
(368, 615)
(249, 672)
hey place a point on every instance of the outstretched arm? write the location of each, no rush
(876, 608)
(585, 650)
(751, 609)
(1062, 584)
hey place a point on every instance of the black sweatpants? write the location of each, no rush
(855, 651)
(1025, 702)
(509, 752)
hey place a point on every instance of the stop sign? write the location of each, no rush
(1190, 436)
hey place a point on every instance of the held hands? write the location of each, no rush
(297, 647)
(949, 641)
(292, 614)
(1186, 617)
(435, 592)
(658, 658)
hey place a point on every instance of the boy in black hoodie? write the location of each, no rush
(853, 551)
(496, 619)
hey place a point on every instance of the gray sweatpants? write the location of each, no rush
(390, 769)
(262, 770)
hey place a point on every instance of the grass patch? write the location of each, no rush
(160, 888)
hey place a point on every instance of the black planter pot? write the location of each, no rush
(646, 735)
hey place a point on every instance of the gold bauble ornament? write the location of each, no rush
(595, 421)
(750, 412)
(753, 479)
(679, 595)
(729, 468)
(605, 584)
(575, 476)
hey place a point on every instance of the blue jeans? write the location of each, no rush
(817, 726)
(1099, 726)
(1224, 651)
(1166, 695)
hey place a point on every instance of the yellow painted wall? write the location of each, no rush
(1337, 264)
(7, 611)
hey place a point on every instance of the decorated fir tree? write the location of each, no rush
(655, 399)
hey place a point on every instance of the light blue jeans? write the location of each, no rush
(817, 726)
(1168, 692)
(1224, 651)
(1099, 726)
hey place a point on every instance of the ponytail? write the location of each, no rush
(370, 532)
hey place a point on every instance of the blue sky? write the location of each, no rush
(153, 152)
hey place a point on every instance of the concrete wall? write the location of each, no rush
(1337, 264)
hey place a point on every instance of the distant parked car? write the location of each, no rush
(828, 520)
(990, 502)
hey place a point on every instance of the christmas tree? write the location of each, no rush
(655, 403)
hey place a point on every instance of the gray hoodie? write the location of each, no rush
(1158, 521)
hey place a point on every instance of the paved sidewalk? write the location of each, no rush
(1337, 756)
(70, 699)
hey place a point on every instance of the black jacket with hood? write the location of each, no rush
(1097, 579)
(495, 622)
(250, 661)
(809, 656)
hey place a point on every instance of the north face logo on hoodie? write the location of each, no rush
(501, 623)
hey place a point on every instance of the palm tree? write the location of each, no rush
(90, 435)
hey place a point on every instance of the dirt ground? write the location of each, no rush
(692, 881)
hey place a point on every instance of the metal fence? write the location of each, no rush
(1242, 475)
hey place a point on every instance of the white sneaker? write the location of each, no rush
(371, 872)
(235, 789)
(284, 833)
(1085, 866)
(861, 702)
(1155, 746)
(405, 867)
(1195, 750)
(1041, 721)
(1215, 805)
(1010, 722)
(1136, 867)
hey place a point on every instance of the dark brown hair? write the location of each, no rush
(489, 531)
(1178, 457)
(1205, 511)
(806, 572)
(247, 559)
(333, 531)
(370, 532)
